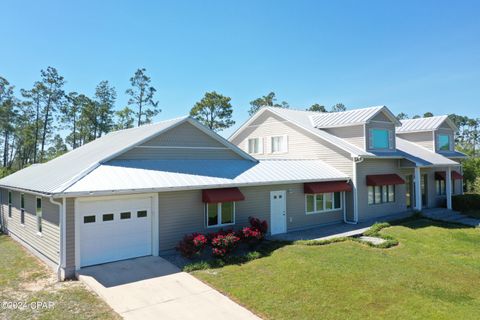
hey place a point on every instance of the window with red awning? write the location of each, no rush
(441, 175)
(222, 195)
(328, 186)
(384, 179)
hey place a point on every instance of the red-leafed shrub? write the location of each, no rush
(224, 244)
(256, 232)
(192, 244)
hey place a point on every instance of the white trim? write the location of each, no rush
(181, 147)
(36, 214)
(324, 203)
(448, 187)
(154, 220)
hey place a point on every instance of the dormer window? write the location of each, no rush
(443, 142)
(255, 145)
(381, 139)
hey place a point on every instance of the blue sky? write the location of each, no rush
(413, 56)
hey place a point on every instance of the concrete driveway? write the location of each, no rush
(153, 288)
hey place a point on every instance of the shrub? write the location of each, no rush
(261, 226)
(466, 202)
(192, 244)
(255, 233)
(223, 244)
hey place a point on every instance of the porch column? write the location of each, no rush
(448, 185)
(418, 189)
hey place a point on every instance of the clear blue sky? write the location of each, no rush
(413, 56)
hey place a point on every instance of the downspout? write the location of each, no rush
(356, 160)
(61, 220)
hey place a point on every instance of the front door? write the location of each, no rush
(278, 212)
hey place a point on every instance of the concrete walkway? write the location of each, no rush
(337, 230)
(153, 288)
(450, 216)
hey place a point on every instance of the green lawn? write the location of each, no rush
(434, 273)
(23, 278)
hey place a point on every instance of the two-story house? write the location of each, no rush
(393, 166)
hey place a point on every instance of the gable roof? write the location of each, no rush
(136, 176)
(303, 120)
(422, 156)
(350, 118)
(425, 124)
(60, 173)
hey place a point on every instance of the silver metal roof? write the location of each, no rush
(421, 156)
(130, 176)
(424, 124)
(58, 174)
(349, 118)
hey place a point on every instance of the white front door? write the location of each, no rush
(278, 212)
(112, 230)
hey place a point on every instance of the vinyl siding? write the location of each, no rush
(379, 166)
(182, 142)
(354, 135)
(424, 139)
(70, 236)
(380, 125)
(301, 143)
(48, 243)
(183, 212)
(449, 132)
(381, 117)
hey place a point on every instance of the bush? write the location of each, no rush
(261, 226)
(466, 202)
(223, 244)
(255, 233)
(192, 244)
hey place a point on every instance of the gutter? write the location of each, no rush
(61, 252)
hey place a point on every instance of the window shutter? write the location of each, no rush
(370, 139)
(260, 145)
(245, 147)
(268, 144)
(285, 143)
(391, 141)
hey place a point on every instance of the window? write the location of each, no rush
(440, 187)
(322, 202)
(220, 214)
(278, 144)
(108, 217)
(380, 139)
(22, 208)
(89, 219)
(443, 142)
(381, 194)
(142, 214)
(38, 213)
(9, 204)
(255, 145)
(125, 215)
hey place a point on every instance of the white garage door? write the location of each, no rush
(112, 230)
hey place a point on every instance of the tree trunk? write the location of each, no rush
(74, 131)
(44, 133)
(5, 149)
(37, 118)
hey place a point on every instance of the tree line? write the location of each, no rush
(45, 121)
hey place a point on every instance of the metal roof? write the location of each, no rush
(130, 176)
(350, 117)
(421, 156)
(58, 174)
(424, 124)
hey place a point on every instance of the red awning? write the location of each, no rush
(384, 179)
(330, 186)
(222, 195)
(440, 175)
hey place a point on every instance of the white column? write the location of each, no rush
(448, 182)
(418, 189)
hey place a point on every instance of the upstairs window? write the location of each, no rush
(278, 144)
(255, 145)
(381, 139)
(444, 142)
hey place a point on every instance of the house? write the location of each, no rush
(137, 192)
(383, 157)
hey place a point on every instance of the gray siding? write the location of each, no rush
(449, 132)
(48, 243)
(378, 166)
(301, 143)
(354, 134)
(182, 142)
(424, 139)
(383, 125)
(183, 212)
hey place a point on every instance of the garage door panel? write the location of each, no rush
(117, 239)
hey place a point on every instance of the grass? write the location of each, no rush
(433, 273)
(24, 279)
